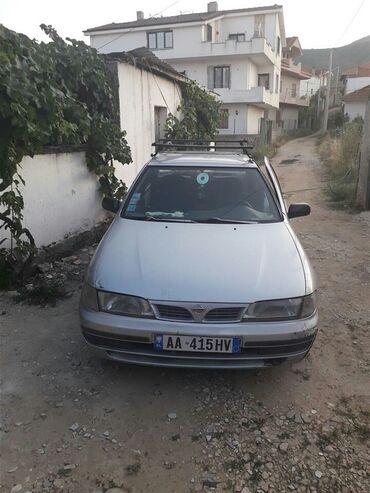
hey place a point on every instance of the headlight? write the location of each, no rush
(89, 298)
(122, 304)
(286, 309)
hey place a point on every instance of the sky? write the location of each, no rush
(317, 23)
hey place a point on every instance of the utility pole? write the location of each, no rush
(363, 183)
(319, 102)
(337, 85)
(327, 99)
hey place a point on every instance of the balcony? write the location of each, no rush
(258, 49)
(257, 96)
(288, 67)
(293, 98)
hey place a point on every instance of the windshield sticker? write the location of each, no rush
(203, 178)
(135, 198)
(133, 202)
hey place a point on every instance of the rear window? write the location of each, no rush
(201, 194)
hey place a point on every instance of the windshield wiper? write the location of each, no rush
(165, 219)
(225, 221)
(160, 218)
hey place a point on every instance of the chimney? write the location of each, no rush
(139, 15)
(212, 7)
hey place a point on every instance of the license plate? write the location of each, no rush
(197, 344)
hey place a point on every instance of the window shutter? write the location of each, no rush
(210, 80)
(227, 77)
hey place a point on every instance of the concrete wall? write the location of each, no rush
(241, 24)
(185, 38)
(111, 43)
(355, 108)
(254, 115)
(272, 29)
(140, 92)
(61, 196)
(289, 116)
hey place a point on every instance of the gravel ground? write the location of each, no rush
(72, 423)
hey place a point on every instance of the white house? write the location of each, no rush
(309, 87)
(355, 102)
(356, 90)
(292, 74)
(236, 53)
(356, 78)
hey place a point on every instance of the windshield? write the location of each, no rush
(198, 194)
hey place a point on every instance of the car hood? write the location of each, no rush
(220, 263)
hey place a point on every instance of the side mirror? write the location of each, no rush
(297, 210)
(110, 204)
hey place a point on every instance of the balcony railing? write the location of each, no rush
(293, 97)
(257, 48)
(256, 95)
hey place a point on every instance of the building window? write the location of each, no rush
(278, 45)
(224, 121)
(277, 84)
(294, 90)
(208, 32)
(264, 80)
(259, 26)
(160, 40)
(221, 77)
(237, 36)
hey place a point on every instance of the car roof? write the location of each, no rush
(207, 158)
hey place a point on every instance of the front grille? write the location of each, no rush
(224, 314)
(172, 312)
(189, 312)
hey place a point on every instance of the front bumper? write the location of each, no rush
(130, 340)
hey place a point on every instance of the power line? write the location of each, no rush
(160, 90)
(351, 21)
(130, 30)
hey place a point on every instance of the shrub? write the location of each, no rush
(339, 151)
(268, 150)
(53, 93)
(200, 115)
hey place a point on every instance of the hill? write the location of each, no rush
(347, 56)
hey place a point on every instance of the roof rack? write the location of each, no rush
(197, 145)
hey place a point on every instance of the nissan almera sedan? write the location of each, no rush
(201, 268)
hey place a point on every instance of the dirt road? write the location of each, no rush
(73, 423)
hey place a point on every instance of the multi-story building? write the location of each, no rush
(292, 95)
(235, 53)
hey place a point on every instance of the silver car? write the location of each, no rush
(200, 268)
